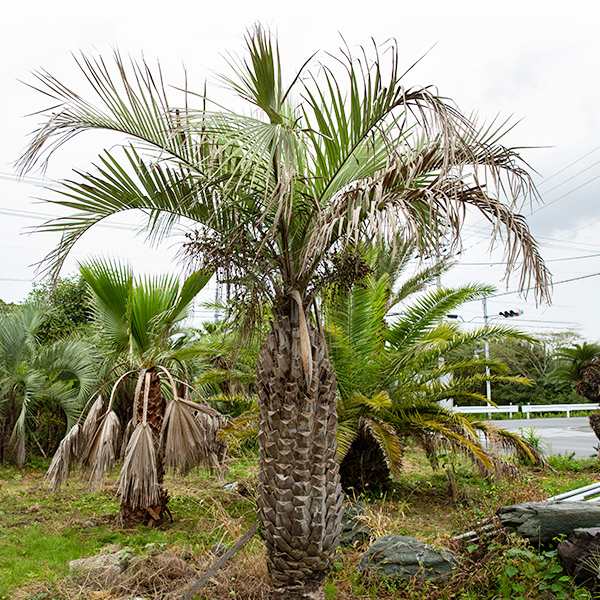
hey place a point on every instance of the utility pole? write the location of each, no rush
(488, 383)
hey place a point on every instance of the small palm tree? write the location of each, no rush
(394, 378)
(579, 366)
(58, 375)
(136, 320)
(323, 160)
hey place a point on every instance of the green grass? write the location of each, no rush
(41, 532)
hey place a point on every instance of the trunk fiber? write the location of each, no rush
(151, 516)
(299, 492)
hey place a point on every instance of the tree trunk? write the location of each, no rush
(364, 468)
(151, 516)
(299, 492)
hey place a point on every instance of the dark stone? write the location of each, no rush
(400, 556)
(354, 531)
(579, 555)
(218, 549)
(542, 522)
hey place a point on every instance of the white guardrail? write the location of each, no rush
(526, 408)
(568, 408)
(507, 408)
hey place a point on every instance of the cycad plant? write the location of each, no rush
(579, 366)
(56, 377)
(394, 379)
(318, 161)
(135, 320)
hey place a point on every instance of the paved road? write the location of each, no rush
(559, 435)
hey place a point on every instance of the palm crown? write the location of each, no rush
(314, 168)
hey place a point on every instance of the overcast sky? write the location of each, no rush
(535, 62)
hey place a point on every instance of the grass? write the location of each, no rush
(41, 532)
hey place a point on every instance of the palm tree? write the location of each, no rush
(59, 376)
(136, 320)
(579, 366)
(394, 378)
(325, 159)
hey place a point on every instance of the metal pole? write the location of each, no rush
(488, 383)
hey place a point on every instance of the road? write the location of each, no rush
(559, 435)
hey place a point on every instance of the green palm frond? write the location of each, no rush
(111, 283)
(386, 436)
(426, 312)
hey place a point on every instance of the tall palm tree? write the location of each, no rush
(136, 319)
(58, 375)
(325, 159)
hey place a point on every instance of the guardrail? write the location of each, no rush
(568, 408)
(525, 408)
(506, 408)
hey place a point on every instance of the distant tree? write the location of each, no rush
(6, 306)
(533, 358)
(68, 298)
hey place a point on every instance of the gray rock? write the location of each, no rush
(404, 557)
(579, 556)
(354, 531)
(541, 522)
(104, 566)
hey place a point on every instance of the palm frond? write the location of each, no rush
(389, 442)
(65, 456)
(138, 481)
(101, 452)
(190, 436)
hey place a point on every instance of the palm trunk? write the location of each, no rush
(151, 516)
(299, 493)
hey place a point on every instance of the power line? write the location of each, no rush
(11, 212)
(568, 166)
(547, 261)
(546, 204)
(553, 283)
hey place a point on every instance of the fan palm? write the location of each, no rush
(137, 319)
(326, 158)
(61, 374)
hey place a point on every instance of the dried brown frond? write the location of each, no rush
(101, 452)
(138, 482)
(66, 454)
(186, 442)
(90, 425)
(502, 440)
(396, 199)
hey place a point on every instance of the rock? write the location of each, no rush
(404, 557)
(354, 531)
(541, 522)
(579, 556)
(218, 549)
(101, 566)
